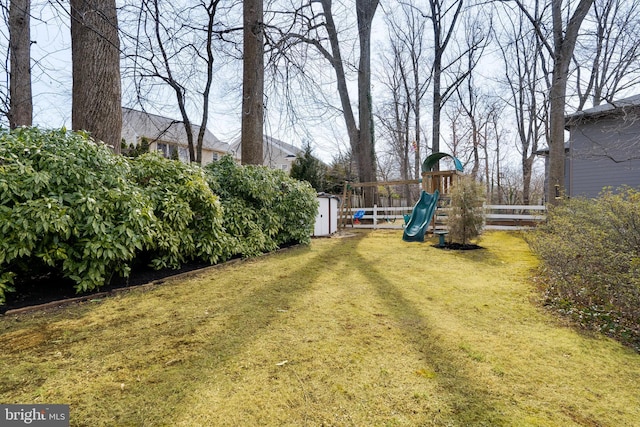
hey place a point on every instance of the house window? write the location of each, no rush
(284, 167)
(183, 154)
(170, 151)
(164, 149)
(214, 157)
(173, 152)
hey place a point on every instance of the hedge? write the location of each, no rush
(66, 205)
(590, 250)
(264, 208)
(72, 208)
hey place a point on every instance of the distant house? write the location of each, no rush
(168, 136)
(603, 148)
(277, 154)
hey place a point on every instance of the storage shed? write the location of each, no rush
(327, 217)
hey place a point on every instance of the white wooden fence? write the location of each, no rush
(498, 217)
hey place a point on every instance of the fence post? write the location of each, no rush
(375, 216)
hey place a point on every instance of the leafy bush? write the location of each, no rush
(189, 215)
(70, 206)
(66, 204)
(263, 208)
(466, 215)
(296, 206)
(591, 256)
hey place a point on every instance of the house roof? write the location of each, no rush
(269, 142)
(287, 148)
(137, 124)
(545, 151)
(605, 109)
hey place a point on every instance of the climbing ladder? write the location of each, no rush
(345, 216)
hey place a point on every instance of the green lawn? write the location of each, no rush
(359, 331)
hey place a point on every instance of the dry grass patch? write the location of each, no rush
(367, 330)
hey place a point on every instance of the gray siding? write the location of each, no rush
(604, 153)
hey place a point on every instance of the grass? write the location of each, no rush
(360, 331)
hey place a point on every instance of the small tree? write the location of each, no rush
(341, 170)
(307, 168)
(466, 217)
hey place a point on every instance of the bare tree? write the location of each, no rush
(444, 17)
(394, 114)
(527, 81)
(469, 94)
(407, 34)
(565, 29)
(499, 132)
(394, 117)
(170, 55)
(20, 97)
(95, 50)
(607, 59)
(253, 82)
(320, 31)
(365, 148)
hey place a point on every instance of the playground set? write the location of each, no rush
(435, 188)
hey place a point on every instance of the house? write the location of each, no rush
(168, 136)
(603, 148)
(277, 154)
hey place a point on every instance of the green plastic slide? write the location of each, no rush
(421, 217)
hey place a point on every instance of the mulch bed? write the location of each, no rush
(36, 291)
(50, 288)
(458, 246)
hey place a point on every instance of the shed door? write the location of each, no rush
(322, 218)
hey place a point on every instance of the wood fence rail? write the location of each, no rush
(498, 217)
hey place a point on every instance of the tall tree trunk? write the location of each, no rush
(527, 168)
(556, 183)
(564, 40)
(417, 167)
(253, 84)
(21, 101)
(361, 140)
(366, 9)
(95, 54)
(441, 38)
(436, 106)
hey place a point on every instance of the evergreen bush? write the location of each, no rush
(188, 215)
(70, 207)
(263, 208)
(66, 205)
(306, 167)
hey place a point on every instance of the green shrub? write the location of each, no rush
(296, 206)
(465, 219)
(263, 208)
(66, 204)
(189, 215)
(70, 206)
(591, 255)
